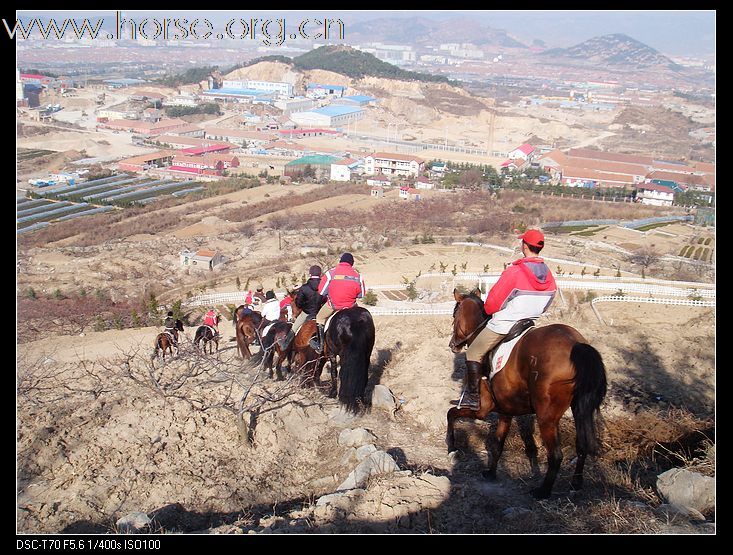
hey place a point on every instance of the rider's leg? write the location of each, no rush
(484, 342)
(321, 317)
(299, 321)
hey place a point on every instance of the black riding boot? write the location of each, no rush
(470, 398)
(285, 342)
(317, 341)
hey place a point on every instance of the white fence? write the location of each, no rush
(236, 297)
(624, 299)
(612, 284)
(384, 311)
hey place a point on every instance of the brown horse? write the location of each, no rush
(551, 368)
(164, 341)
(247, 325)
(303, 358)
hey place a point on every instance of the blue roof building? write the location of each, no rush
(356, 100)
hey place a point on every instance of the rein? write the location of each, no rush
(473, 334)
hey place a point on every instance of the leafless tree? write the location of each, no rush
(206, 383)
(644, 258)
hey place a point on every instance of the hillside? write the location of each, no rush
(420, 30)
(616, 49)
(356, 64)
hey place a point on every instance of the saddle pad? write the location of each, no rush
(267, 328)
(502, 352)
(328, 322)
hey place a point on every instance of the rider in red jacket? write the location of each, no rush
(342, 285)
(524, 290)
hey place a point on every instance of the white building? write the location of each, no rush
(203, 259)
(343, 169)
(185, 100)
(525, 152)
(656, 195)
(393, 164)
(282, 89)
(297, 104)
(329, 116)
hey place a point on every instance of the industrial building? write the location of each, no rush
(318, 90)
(292, 105)
(146, 161)
(355, 100)
(146, 127)
(280, 88)
(241, 95)
(329, 116)
(238, 136)
(320, 163)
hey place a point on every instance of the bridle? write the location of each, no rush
(474, 333)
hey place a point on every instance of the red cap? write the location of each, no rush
(533, 237)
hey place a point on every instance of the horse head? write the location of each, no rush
(468, 316)
(178, 325)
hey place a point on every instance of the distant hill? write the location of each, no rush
(356, 64)
(617, 49)
(421, 30)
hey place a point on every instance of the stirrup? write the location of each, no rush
(315, 345)
(464, 401)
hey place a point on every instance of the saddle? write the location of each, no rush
(213, 331)
(500, 353)
(171, 335)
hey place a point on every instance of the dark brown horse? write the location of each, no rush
(271, 347)
(206, 335)
(164, 341)
(350, 337)
(551, 368)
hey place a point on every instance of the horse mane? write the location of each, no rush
(472, 296)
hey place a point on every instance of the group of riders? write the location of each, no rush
(524, 290)
(322, 295)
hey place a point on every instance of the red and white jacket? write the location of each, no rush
(524, 290)
(343, 285)
(211, 319)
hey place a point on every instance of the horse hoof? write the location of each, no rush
(488, 476)
(540, 493)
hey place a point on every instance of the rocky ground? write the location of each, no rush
(103, 435)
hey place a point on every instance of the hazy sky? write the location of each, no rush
(672, 32)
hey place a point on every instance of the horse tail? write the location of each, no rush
(355, 355)
(590, 389)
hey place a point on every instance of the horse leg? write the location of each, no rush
(577, 481)
(318, 370)
(464, 412)
(278, 366)
(526, 431)
(496, 447)
(334, 376)
(550, 434)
